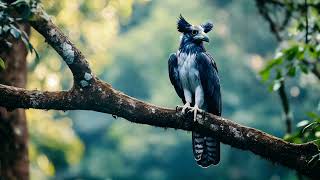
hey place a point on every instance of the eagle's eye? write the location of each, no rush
(194, 32)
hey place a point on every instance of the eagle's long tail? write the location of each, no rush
(206, 149)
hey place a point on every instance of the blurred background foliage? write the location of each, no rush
(296, 25)
(127, 43)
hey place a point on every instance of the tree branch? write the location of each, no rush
(286, 107)
(90, 93)
(102, 98)
(64, 47)
(313, 67)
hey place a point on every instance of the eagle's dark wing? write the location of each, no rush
(174, 75)
(210, 82)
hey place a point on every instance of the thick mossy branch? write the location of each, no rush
(102, 98)
(90, 93)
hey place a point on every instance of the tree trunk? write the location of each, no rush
(14, 162)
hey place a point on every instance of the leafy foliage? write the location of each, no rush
(11, 14)
(289, 61)
(298, 53)
(308, 130)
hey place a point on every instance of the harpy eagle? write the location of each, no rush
(194, 75)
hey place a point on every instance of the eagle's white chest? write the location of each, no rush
(189, 74)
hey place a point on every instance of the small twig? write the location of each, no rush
(286, 107)
(307, 22)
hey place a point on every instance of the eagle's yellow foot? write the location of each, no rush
(195, 110)
(184, 107)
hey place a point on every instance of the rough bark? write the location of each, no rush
(90, 93)
(13, 129)
(102, 98)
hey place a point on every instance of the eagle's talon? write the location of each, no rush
(195, 110)
(184, 108)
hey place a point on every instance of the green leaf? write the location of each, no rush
(265, 75)
(1, 14)
(2, 64)
(300, 26)
(3, 5)
(292, 71)
(304, 68)
(5, 28)
(23, 8)
(312, 115)
(19, 2)
(279, 74)
(312, 53)
(303, 123)
(291, 53)
(15, 33)
(294, 138)
(276, 85)
(28, 45)
(272, 63)
(311, 125)
(265, 72)
(317, 48)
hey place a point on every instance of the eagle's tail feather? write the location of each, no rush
(206, 149)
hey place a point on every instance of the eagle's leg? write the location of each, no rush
(199, 100)
(188, 99)
(195, 111)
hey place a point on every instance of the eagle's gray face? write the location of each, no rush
(198, 34)
(193, 33)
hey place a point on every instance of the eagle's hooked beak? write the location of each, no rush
(202, 37)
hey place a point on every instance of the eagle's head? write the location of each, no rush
(196, 34)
